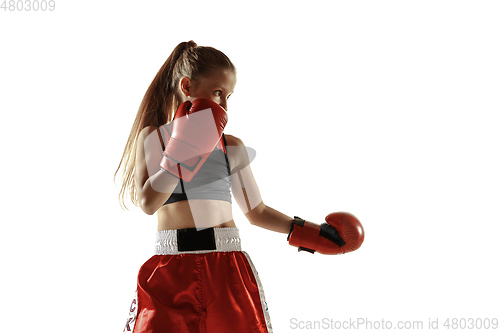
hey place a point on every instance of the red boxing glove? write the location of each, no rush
(342, 233)
(197, 128)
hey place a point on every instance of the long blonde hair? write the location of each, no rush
(163, 98)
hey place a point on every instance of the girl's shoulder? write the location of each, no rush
(147, 131)
(233, 140)
(239, 155)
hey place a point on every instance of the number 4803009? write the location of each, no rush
(28, 5)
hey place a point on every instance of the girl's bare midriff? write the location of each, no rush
(195, 214)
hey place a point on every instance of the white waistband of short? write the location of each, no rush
(226, 239)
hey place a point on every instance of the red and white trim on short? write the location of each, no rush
(227, 240)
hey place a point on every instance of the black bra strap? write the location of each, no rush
(161, 138)
(225, 155)
(163, 146)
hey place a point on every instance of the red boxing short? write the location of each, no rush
(199, 281)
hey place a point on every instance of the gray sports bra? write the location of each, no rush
(212, 181)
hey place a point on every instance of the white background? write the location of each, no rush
(385, 109)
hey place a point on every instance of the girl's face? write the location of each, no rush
(217, 88)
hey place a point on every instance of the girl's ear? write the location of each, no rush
(185, 86)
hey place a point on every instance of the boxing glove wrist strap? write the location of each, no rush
(308, 235)
(296, 220)
(305, 237)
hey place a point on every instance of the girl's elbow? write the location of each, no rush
(147, 207)
(256, 216)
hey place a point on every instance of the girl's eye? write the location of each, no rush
(218, 93)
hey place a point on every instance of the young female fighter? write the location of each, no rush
(179, 164)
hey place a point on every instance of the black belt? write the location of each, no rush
(192, 239)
